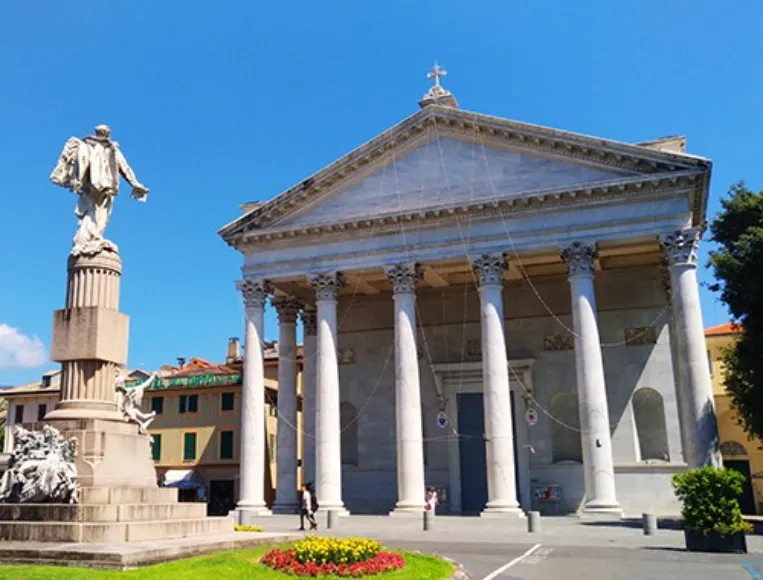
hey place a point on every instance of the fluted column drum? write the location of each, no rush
(90, 338)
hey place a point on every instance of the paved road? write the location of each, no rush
(589, 563)
(567, 548)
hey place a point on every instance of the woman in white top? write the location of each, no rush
(432, 501)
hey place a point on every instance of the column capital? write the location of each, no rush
(255, 292)
(667, 285)
(404, 277)
(309, 321)
(579, 257)
(287, 308)
(680, 247)
(489, 269)
(326, 285)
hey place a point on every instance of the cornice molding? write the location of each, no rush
(435, 121)
(547, 199)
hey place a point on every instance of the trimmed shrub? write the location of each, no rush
(710, 500)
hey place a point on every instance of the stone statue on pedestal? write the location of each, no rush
(90, 167)
(129, 401)
(41, 468)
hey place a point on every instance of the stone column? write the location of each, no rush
(328, 452)
(252, 447)
(90, 338)
(499, 439)
(411, 491)
(286, 491)
(598, 465)
(683, 420)
(309, 357)
(696, 391)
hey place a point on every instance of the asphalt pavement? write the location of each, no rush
(566, 548)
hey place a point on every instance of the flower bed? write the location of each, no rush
(350, 557)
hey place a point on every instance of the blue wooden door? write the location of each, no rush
(471, 444)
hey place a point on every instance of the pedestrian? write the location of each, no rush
(308, 507)
(432, 500)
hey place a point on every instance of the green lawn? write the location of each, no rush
(242, 564)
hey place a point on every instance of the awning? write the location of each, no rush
(183, 479)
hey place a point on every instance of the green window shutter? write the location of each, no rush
(189, 447)
(226, 445)
(227, 402)
(182, 404)
(156, 448)
(193, 404)
(157, 405)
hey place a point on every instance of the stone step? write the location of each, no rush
(127, 495)
(96, 513)
(105, 532)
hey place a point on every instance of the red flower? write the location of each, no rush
(286, 561)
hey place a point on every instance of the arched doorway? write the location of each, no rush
(735, 457)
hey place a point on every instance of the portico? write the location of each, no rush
(471, 267)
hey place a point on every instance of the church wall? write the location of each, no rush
(626, 299)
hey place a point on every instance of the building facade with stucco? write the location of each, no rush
(504, 311)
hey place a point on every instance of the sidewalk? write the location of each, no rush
(556, 531)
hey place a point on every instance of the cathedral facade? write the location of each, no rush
(503, 311)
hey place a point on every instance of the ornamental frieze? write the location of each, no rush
(640, 336)
(555, 342)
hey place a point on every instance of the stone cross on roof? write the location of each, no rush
(436, 73)
(437, 95)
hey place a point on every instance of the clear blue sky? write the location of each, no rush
(220, 103)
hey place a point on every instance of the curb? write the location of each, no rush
(460, 573)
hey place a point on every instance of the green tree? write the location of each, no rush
(738, 268)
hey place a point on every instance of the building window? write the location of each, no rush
(157, 405)
(733, 449)
(649, 415)
(18, 414)
(156, 448)
(565, 429)
(272, 446)
(227, 401)
(189, 404)
(349, 441)
(710, 362)
(41, 411)
(226, 444)
(189, 447)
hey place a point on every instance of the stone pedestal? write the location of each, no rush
(119, 497)
(90, 339)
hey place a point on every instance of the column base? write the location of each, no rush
(75, 410)
(513, 512)
(601, 510)
(243, 515)
(286, 508)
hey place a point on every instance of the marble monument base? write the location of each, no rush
(109, 453)
(128, 556)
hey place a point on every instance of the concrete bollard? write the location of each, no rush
(650, 524)
(533, 522)
(330, 519)
(428, 520)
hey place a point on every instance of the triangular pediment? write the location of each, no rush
(442, 158)
(446, 172)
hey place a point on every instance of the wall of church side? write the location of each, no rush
(538, 325)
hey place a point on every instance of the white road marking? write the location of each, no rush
(502, 569)
(538, 556)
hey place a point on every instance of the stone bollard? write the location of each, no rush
(650, 524)
(330, 519)
(533, 522)
(428, 520)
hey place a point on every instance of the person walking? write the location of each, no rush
(308, 506)
(432, 500)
